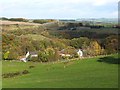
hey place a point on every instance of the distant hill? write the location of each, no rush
(103, 20)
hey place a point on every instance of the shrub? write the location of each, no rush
(25, 72)
(6, 55)
(48, 54)
(34, 59)
(42, 56)
(41, 21)
(31, 67)
(10, 75)
(13, 55)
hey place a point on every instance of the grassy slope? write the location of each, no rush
(88, 73)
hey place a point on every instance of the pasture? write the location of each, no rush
(99, 72)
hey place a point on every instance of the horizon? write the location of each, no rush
(60, 18)
(59, 9)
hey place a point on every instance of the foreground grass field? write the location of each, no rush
(87, 73)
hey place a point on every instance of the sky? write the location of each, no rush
(59, 9)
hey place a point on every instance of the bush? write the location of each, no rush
(41, 21)
(31, 67)
(6, 55)
(13, 55)
(48, 54)
(42, 56)
(10, 75)
(34, 59)
(75, 55)
(25, 72)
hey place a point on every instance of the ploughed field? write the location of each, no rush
(98, 72)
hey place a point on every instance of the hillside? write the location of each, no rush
(100, 72)
(20, 37)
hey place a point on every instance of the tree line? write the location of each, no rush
(48, 48)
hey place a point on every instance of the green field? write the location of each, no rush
(99, 72)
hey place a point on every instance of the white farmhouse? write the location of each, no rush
(80, 53)
(29, 54)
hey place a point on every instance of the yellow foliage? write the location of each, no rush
(95, 48)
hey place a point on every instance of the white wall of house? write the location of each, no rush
(80, 53)
(35, 55)
(28, 53)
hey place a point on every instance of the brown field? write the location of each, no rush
(14, 23)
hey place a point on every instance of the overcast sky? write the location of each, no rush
(59, 9)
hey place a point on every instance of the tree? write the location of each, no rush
(36, 44)
(111, 44)
(42, 56)
(56, 55)
(81, 42)
(18, 19)
(3, 18)
(50, 52)
(6, 55)
(26, 45)
(46, 55)
(95, 48)
(13, 55)
(41, 21)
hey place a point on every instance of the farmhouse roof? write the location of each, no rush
(33, 53)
